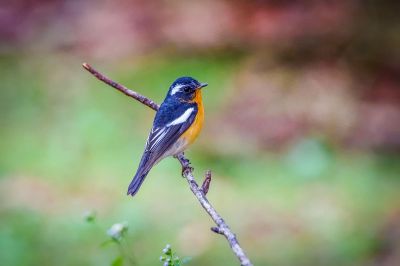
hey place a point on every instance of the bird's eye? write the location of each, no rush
(186, 89)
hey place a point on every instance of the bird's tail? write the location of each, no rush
(145, 165)
(136, 183)
(144, 168)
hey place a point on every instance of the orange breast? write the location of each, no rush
(193, 131)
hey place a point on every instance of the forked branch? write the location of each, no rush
(200, 192)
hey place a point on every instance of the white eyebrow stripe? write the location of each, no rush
(182, 118)
(176, 88)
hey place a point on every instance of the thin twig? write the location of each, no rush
(207, 182)
(146, 101)
(200, 192)
(216, 230)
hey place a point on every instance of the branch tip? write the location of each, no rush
(133, 94)
(216, 230)
(206, 183)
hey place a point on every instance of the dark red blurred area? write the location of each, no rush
(343, 54)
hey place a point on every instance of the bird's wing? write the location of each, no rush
(163, 137)
(165, 132)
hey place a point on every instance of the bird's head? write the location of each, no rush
(185, 88)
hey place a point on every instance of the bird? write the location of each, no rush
(176, 125)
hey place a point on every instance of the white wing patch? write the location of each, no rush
(176, 88)
(160, 131)
(158, 134)
(183, 118)
(158, 138)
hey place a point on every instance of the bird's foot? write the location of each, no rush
(186, 168)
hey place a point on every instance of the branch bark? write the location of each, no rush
(200, 192)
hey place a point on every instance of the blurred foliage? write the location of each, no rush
(170, 258)
(302, 131)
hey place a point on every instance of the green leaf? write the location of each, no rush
(118, 261)
(106, 243)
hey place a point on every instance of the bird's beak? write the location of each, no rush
(202, 85)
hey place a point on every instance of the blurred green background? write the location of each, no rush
(302, 130)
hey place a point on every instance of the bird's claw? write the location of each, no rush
(185, 162)
(186, 170)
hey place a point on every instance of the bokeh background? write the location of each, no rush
(302, 130)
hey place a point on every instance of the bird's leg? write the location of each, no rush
(186, 168)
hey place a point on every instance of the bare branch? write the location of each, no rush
(146, 101)
(187, 172)
(222, 227)
(216, 230)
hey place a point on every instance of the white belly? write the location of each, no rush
(179, 146)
